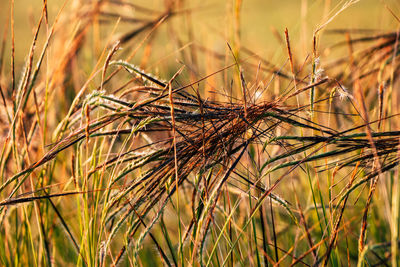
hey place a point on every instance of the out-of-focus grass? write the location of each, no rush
(212, 22)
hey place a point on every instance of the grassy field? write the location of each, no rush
(188, 133)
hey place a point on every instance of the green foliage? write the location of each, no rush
(232, 160)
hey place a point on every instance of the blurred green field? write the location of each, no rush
(212, 23)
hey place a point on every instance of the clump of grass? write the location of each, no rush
(129, 163)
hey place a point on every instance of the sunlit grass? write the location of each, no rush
(200, 134)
